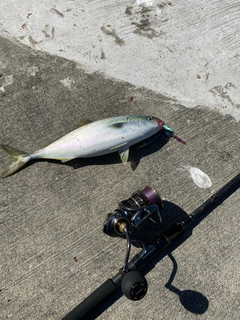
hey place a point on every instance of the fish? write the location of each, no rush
(91, 139)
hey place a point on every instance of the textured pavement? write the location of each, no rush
(53, 250)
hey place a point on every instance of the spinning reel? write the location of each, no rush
(130, 216)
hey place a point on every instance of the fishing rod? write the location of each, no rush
(131, 216)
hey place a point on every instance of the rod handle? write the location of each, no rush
(95, 298)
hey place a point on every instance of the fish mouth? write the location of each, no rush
(160, 122)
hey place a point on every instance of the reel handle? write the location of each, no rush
(134, 285)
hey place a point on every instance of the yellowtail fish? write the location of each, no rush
(91, 139)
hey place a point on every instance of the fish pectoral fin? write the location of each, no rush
(124, 153)
(83, 122)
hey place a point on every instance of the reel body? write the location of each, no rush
(133, 212)
(129, 216)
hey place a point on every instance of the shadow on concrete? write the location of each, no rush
(192, 301)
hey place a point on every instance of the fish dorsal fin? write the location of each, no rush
(83, 122)
(124, 153)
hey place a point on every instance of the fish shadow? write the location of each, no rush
(136, 153)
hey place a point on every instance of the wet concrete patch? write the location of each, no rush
(109, 31)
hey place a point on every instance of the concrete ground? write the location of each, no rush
(53, 250)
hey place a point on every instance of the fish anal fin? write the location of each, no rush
(64, 159)
(56, 158)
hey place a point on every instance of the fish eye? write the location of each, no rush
(150, 118)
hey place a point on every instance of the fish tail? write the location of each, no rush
(20, 158)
